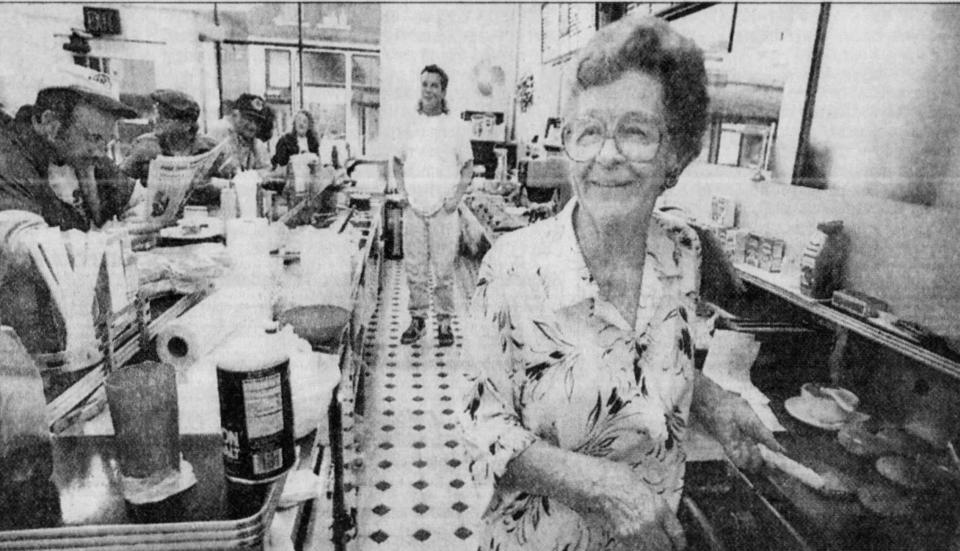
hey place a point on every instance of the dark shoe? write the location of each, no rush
(413, 333)
(445, 335)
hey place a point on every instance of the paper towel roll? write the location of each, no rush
(208, 324)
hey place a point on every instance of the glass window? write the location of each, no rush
(324, 69)
(752, 60)
(366, 71)
(278, 69)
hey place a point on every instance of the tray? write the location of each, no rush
(82, 505)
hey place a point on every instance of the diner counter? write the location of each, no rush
(336, 265)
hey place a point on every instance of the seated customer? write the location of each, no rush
(302, 138)
(243, 128)
(175, 135)
(54, 172)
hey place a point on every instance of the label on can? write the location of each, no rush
(256, 417)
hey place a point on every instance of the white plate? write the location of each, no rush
(799, 409)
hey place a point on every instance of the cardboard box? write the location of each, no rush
(723, 211)
(752, 250)
(778, 248)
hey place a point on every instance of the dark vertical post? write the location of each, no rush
(733, 28)
(803, 148)
(300, 48)
(219, 57)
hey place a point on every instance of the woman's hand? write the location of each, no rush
(450, 204)
(637, 518)
(733, 423)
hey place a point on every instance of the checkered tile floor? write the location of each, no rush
(415, 492)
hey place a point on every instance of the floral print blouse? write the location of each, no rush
(554, 361)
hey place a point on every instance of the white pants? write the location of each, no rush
(430, 242)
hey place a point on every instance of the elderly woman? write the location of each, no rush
(577, 410)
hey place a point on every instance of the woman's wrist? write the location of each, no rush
(572, 478)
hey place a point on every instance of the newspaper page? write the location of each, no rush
(172, 179)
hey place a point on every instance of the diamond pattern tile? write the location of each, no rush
(416, 493)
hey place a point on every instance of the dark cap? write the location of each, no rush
(252, 106)
(176, 105)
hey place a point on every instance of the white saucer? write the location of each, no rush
(212, 227)
(799, 408)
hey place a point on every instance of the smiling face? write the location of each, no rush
(301, 124)
(245, 127)
(610, 185)
(431, 93)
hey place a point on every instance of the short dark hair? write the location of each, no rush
(650, 45)
(62, 102)
(444, 79)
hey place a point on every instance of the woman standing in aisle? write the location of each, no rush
(584, 376)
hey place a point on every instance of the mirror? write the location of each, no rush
(886, 122)
(758, 61)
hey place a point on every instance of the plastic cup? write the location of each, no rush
(143, 407)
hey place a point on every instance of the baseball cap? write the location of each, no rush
(176, 105)
(252, 106)
(98, 89)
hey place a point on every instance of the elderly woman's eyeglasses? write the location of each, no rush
(637, 137)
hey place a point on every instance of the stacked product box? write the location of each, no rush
(752, 247)
(771, 254)
(734, 241)
(723, 211)
(764, 252)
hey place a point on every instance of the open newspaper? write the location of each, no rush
(171, 180)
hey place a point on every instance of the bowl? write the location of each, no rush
(320, 324)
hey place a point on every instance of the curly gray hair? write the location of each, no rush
(650, 45)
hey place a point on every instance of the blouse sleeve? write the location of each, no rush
(492, 427)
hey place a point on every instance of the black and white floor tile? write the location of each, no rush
(414, 490)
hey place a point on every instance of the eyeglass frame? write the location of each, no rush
(607, 135)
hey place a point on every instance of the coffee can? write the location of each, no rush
(256, 415)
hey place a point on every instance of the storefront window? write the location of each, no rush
(324, 69)
(366, 71)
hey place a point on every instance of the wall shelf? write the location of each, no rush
(788, 289)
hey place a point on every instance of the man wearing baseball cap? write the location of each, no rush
(54, 172)
(176, 134)
(250, 117)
